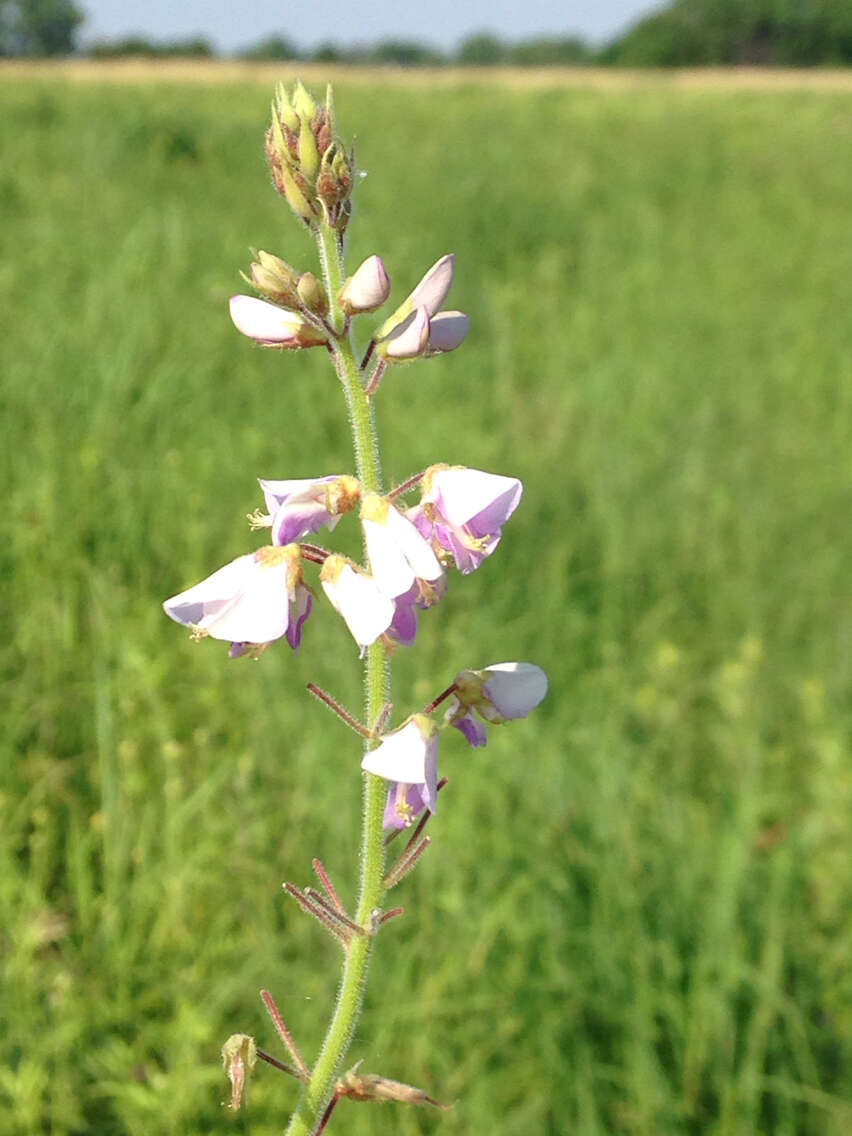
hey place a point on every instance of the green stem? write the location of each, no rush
(329, 1064)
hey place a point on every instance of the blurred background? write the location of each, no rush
(635, 916)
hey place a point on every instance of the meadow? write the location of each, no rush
(636, 915)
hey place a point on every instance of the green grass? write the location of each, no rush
(635, 917)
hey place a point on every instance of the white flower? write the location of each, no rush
(399, 555)
(366, 610)
(252, 601)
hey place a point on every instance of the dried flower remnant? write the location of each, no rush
(239, 1057)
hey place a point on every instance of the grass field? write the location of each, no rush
(636, 915)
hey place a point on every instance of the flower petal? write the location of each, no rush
(366, 610)
(474, 732)
(435, 285)
(398, 554)
(447, 331)
(404, 754)
(514, 689)
(408, 339)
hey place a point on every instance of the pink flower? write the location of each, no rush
(462, 511)
(367, 289)
(499, 693)
(408, 758)
(366, 610)
(297, 508)
(272, 326)
(250, 603)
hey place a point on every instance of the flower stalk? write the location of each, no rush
(408, 551)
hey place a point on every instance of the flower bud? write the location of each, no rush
(429, 294)
(272, 326)
(275, 279)
(408, 339)
(312, 294)
(367, 289)
(309, 166)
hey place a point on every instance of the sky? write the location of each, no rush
(232, 24)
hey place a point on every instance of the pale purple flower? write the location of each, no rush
(272, 326)
(418, 326)
(297, 508)
(462, 511)
(250, 603)
(498, 693)
(366, 610)
(367, 289)
(400, 558)
(408, 758)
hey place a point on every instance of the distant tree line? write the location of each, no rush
(687, 33)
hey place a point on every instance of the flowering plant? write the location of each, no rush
(410, 549)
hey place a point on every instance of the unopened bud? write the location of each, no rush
(309, 157)
(367, 289)
(303, 104)
(408, 339)
(371, 1087)
(312, 294)
(275, 279)
(309, 167)
(239, 1056)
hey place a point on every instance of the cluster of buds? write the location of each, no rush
(294, 311)
(309, 165)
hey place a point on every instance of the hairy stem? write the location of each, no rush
(318, 1091)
